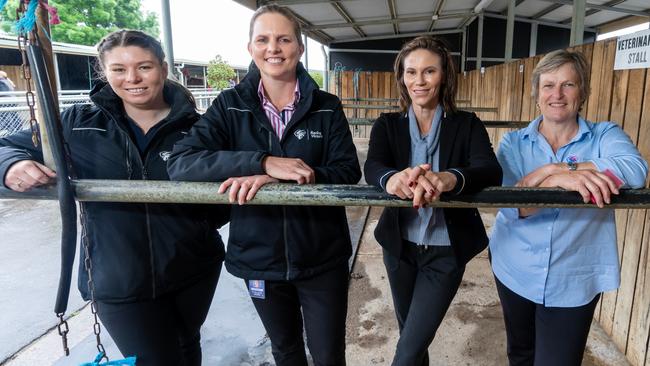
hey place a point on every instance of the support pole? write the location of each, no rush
(168, 44)
(578, 22)
(463, 52)
(532, 51)
(326, 71)
(479, 43)
(510, 29)
(42, 29)
(305, 41)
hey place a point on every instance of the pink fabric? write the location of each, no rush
(275, 117)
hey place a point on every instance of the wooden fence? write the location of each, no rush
(621, 96)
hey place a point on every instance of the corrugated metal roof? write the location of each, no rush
(338, 20)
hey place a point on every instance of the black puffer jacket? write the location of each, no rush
(231, 140)
(139, 251)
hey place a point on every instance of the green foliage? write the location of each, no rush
(318, 78)
(86, 22)
(219, 72)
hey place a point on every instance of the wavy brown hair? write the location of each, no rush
(447, 89)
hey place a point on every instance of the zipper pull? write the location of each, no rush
(145, 174)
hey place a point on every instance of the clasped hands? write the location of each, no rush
(420, 184)
(243, 189)
(593, 185)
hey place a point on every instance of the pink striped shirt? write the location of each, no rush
(278, 119)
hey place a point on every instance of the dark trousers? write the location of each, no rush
(324, 303)
(544, 336)
(423, 283)
(164, 331)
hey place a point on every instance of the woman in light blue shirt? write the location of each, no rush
(551, 265)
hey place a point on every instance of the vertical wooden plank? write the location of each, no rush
(636, 85)
(604, 99)
(608, 301)
(629, 267)
(596, 78)
(640, 323)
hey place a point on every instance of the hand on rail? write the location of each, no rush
(243, 189)
(402, 184)
(289, 169)
(537, 176)
(27, 174)
(431, 185)
(592, 185)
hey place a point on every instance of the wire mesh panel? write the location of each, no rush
(14, 112)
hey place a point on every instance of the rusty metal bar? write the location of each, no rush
(322, 195)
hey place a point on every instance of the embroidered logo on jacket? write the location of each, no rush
(164, 155)
(300, 134)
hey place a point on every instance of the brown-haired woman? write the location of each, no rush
(277, 125)
(155, 267)
(428, 150)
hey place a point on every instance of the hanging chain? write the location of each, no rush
(88, 266)
(27, 75)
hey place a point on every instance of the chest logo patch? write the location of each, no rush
(164, 155)
(300, 134)
(315, 134)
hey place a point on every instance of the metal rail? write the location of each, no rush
(322, 195)
(489, 124)
(394, 107)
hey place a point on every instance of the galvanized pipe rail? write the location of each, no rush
(322, 195)
(394, 107)
(489, 124)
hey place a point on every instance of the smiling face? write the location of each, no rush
(423, 77)
(274, 47)
(136, 76)
(559, 94)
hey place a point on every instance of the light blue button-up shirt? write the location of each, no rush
(562, 257)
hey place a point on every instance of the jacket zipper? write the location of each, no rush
(146, 206)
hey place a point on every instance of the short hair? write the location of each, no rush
(272, 8)
(447, 89)
(556, 59)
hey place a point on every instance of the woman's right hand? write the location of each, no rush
(27, 174)
(402, 184)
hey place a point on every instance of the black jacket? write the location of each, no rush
(232, 138)
(465, 147)
(139, 251)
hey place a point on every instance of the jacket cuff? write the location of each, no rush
(256, 163)
(384, 179)
(460, 181)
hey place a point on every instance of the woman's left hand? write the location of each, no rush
(243, 189)
(431, 185)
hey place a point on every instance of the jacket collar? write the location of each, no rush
(247, 90)
(448, 130)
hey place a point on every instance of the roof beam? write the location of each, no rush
(299, 2)
(318, 35)
(393, 14)
(546, 11)
(341, 10)
(381, 21)
(436, 14)
(594, 11)
(603, 7)
(517, 3)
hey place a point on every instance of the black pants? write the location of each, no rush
(423, 283)
(324, 303)
(164, 331)
(544, 336)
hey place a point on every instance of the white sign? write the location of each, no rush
(633, 51)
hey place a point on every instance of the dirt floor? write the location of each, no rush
(472, 332)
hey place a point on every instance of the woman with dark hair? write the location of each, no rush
(550, 264)
(155, 267)
(276, 125)
(427, 151)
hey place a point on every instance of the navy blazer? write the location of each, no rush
(464, 147)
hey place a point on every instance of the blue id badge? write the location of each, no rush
(256, 289)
